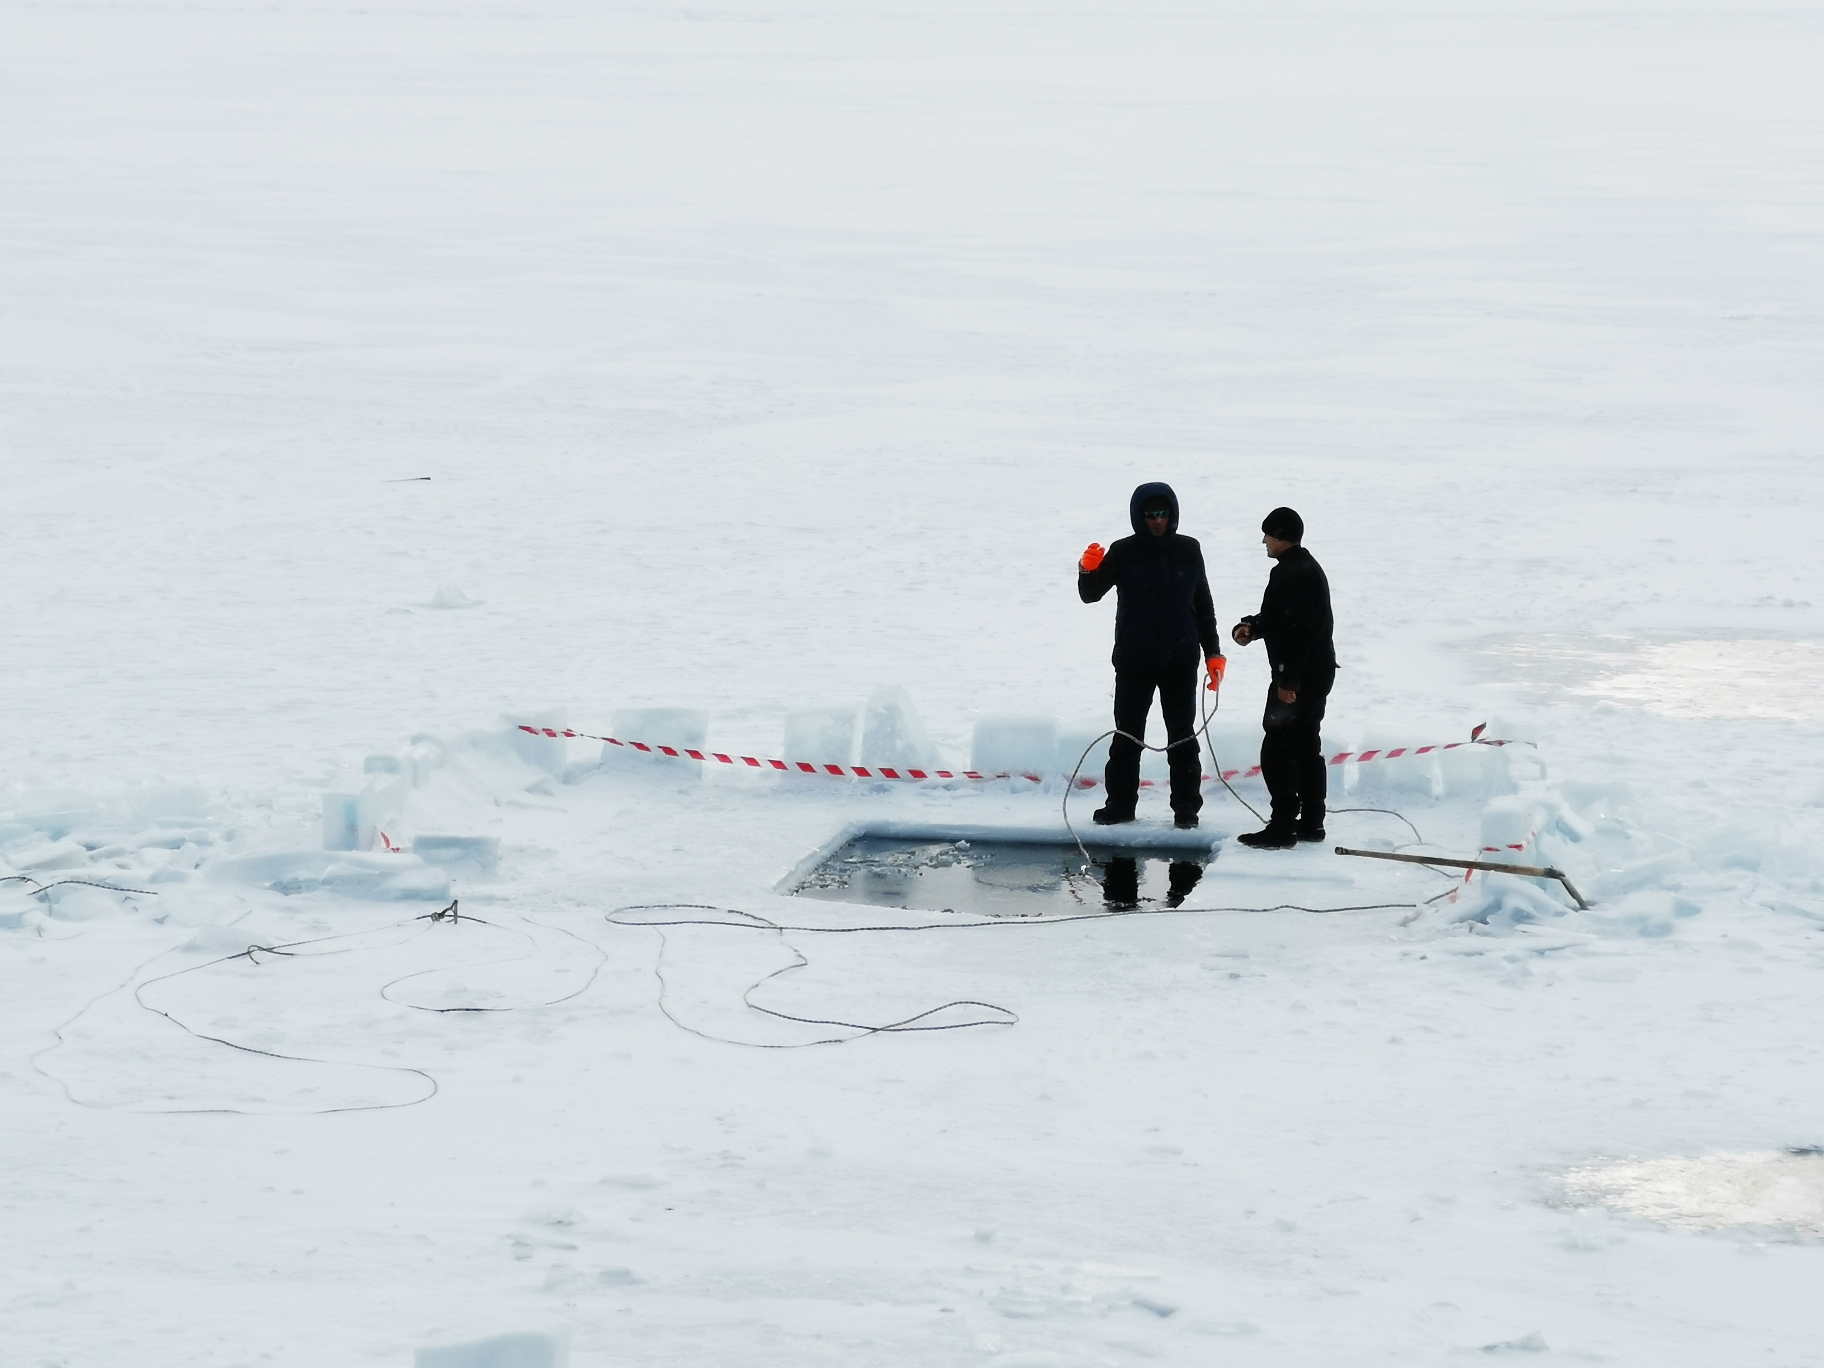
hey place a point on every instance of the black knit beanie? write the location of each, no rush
(1282, 524)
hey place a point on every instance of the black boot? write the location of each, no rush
(1185, 821)
(1272, 836)
(1108, 816)
(1310, 823)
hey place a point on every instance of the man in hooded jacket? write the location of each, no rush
(1165, 622)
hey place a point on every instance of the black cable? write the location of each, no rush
(756, 922)
(1391, 813)
(290, 950)
(44, 888)
(1208, 715)
(1004, 1016)
(1207, 712)
(753, 922)
(248, 953)
(594, 972)
(996, 1015)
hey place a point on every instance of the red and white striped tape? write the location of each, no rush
(1470, 874)
(917, 775)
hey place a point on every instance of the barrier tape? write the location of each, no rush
(1520, 846)
(975, 776)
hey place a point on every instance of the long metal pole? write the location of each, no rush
(1530, 871)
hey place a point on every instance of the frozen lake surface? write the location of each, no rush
(378, 379)
(1767, 680)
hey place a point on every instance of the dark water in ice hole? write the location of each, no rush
(1001, 879)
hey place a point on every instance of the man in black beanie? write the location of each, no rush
(1164, 623)
(1294, 620)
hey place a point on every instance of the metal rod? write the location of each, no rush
(1571, 888)
(1530, 871)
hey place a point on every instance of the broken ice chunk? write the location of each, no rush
(680, 728)
(475, 854)
(1015, 743)
(341, 821)
(824, 733)
(41, 857)
(451, 596)
(892, 734)
(547, 753)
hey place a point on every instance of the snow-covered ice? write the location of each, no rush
(523, 1349)
(376, 378)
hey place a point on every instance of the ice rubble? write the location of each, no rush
(429, 798)
(352, 873)
(884, 731)
(75, 861)
(471, 854)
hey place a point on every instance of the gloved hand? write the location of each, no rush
(1217, 666)
(1092, 557)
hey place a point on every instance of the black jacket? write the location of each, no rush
(1294, 619)
(1163, 612)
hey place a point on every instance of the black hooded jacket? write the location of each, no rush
(1163, 613)
(1294, 619)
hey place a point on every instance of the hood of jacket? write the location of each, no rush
(1148, 493)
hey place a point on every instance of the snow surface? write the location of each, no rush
(759, 358)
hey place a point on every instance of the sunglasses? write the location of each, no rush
(1158, 513)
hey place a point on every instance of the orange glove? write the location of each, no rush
(1092, 557)
(1217, 666)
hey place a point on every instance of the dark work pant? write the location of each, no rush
(1176, 686)
(1292, 753)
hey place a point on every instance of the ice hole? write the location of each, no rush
(1021, 875)
(1781, 1190)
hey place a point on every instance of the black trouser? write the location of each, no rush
(1292, 753)
(1176, 686)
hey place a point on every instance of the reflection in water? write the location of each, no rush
(1184, 876)
(1121, 881)
(999, 879)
